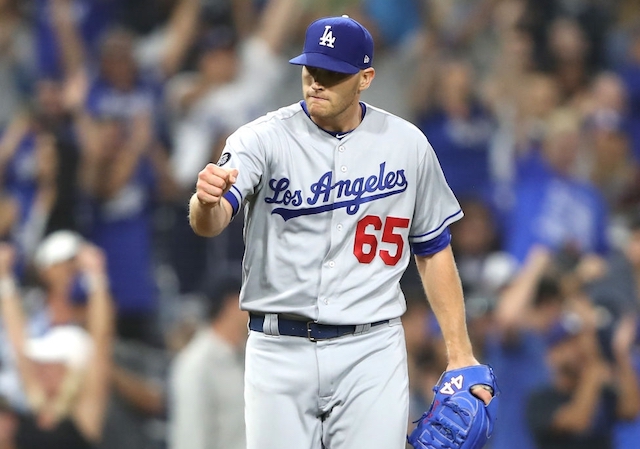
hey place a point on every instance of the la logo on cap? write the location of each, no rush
(327, 38)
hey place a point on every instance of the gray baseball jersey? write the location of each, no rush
(331, 219)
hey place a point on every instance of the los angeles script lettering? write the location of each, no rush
(350, 189)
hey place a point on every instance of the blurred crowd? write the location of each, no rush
(120, 327)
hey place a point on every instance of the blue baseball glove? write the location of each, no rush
(457, 419)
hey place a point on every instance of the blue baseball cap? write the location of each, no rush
(339, 44)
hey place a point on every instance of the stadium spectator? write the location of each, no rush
(552, 206)
(120, 90)
(587, 395)
(207, 379)
(460, 130)
(65, 372)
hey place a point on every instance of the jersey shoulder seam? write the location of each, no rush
(269, 123)
(397, 118)
(274, 116)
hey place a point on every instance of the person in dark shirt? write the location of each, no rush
(587, 394)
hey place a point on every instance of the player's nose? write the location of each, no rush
(316, 85)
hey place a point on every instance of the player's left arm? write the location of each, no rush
(443, 287)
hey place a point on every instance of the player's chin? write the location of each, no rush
(317, 106)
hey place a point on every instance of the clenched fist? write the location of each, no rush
(213, 182)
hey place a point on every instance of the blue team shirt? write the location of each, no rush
(122, 228)
(520, 368)
(462, 148)
(555, 211)
(104, 100)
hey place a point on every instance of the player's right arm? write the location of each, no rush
(209, 212)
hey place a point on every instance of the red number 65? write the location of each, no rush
(366, 245)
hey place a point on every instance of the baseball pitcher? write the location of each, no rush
(337, 194)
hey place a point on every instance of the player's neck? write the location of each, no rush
(346, 121)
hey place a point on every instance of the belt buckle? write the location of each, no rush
(309, 323)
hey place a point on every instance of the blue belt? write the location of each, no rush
(308, 329)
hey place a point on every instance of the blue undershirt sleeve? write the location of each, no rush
(432, 246)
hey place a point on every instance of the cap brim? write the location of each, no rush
(323, 61)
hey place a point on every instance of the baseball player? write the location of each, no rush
(337, 194)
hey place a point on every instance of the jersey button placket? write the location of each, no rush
(330, 265)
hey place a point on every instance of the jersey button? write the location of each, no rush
(332, 264)
(341, 148)
(339, 227)
(343, 169)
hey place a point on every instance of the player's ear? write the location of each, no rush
(366, 76)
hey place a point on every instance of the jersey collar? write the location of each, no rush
(340, 134)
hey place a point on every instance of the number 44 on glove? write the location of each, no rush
(457, 419)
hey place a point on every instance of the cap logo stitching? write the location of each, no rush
(366, 59)
(327, 38)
